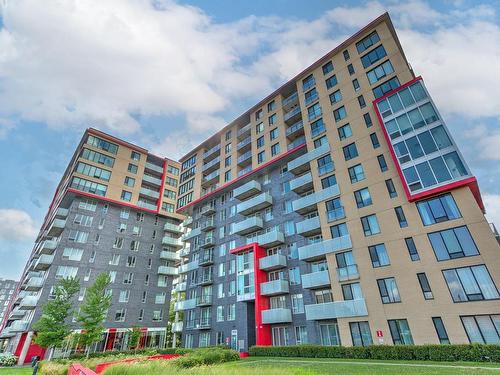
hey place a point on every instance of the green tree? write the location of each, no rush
(134, 336)
(52, 328)
(94, 310)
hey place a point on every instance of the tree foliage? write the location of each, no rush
(51, 328)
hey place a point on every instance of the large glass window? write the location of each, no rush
(373, 56)
(356, 173)
(388, 290)
(367, 42)
(440, 330)
(439, 209)
(378, 255)
(452, 243)
(482, 329)
(470, 284)
(350, 151)
(363, 197)
(329, 334)
(370, 225)
(400, 332)
(360, 333)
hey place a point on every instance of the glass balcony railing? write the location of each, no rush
(152, 180)
(169, 255)
(247, 190)
(154, 167)
(291, 99)
(214, 150)
(335, 214)
(320, 249)
(275, 287)
(316, 279)
(213, 163)
(247, 156)
(244, 130)
(166, 270)
(309, 202)
(296, 143)
(149, 193)
(336, 309)
(296, 164)
(302, 183)
(349, 272)
(269, 239)
(299, 125)
(244, 171)
(292, 113)
(174, 228)
(244, 143)
(255, 204)
(309, 226)
(272, 262)
(248, 225)
(273, 316)
(187, 304)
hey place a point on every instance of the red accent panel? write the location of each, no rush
(111, 339)
(160, 199)
(471, 181)
(241, 177)
(244, 354)
(78, 369)
(34, 350)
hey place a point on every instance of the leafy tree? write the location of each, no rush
(51, 328)
(134, 337)
(171, 319)
(94, 310)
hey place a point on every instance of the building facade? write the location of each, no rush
(338, 210)
(113, 212)
(7, 289)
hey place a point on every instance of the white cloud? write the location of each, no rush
(486, 141)
(17, 226)
(492, 205)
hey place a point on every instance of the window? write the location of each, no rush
(275, 149)
(327, 68)
(169, 194)
(314, 112)
(412, 249)
(258, 114)
(135, 156)
(173, 170)
(355, 84)
(97, 157)
(386, 87)
(350, 151)
(331, 82)
(301, 335)
(328, 181)
(126, 195)
(370, 225)
(356, 173)
(259, 128)
(120, 315)
(482, 329)
(88, 186)
(273, 119)
(72, 254)
(400, 215)
(367, 42)
(388, 290)
(374, 139)
(452, 243)
(350, 69)
(339, 230)
(382, 163)
(294, 276)
(273, 134)
(102, 144)
(129, 181)
(91, 171)
(227, 161)
(329, 334)
(78, 236)
(378, 255)
(227, 148)
(169, 207)
(311, 96)
(323, 296)
(372, 57)
(325, 165)
(261, 157)
(391, 189)
(400, 332)
(317, 128)
(424, 284)
(271, 106)
(437, 210)
(228, 135)
(132, 168)
(124, 296)
(65, 272)
(363, 198)
(346, 55)
(128, 278)
(360, 333)
(308, 82)
(297, 303)
(470, 284)
(368, 120)
(345, 131)
(339, 114)
(361, 102)
(335, 97)
(441, 331)
(227, 176)
(115, 260)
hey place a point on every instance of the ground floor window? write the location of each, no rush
(360, 333)
(400, 332)
(301, 335)
(329, 334)
(204, 340)
(482, 329)
(188, 343)
(281, 336)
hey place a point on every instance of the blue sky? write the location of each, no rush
(167, 74)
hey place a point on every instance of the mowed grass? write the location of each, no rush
(16, 371)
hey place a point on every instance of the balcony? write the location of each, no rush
(348, 273)
(207, 242)
(187, 221)
(335, 214)
(48, 247)
(292, 115)
(145, 204)
(209, 178)
(302, 183)
(193, 233)
(214, 151)
(301, 164)
(173, 228)
(244, 131)
(245, 158)
(335, 310)
(186, 267)
(169, 271)
(317, 279)
(206, 258)
(170, 241)
(17, 314)
(154, 167)
(275, 287)
(151, 180)
(249, 225)
(269, 239)
(272, 262)
(56, 227)
(244, 145)
(19, 326)
(311, 99)
(309, 202)
(319, 250)
(34, 284)
(208, 209)
(62, 213)
(295, 131)
(203, 323)
(185, 251)
(290, 100)
(206, 278)
(149, 193)
(309, 227)
(255, 204)
(44, 262)
(204, 300)
(274, 316)
(28, 303)
(211, 165)
(187, 304)
(177, 326)
(296, 143)
(170, 255)
(208, 224)
(6, 333)
(247, 190)
(244, 171)
(180, 287)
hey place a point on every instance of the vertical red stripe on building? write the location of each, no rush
(160, 199)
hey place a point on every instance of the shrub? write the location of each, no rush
(206, 356)
(7, 359)
(53, 368)
(454, 353)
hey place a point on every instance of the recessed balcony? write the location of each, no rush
(187, 304)
(151, 180)
(275, 287)
(290, 100)
(247, 190)
(292, 115)
(211, 165)
(244, 131)
(301, 163)
(269, 239)
(170, 255)
(206, 258)
(208, 209)
(274, 316)
(62, 212)
(43, 262)
(255, 204)
(153, 167)
(211, 177)
(207, 242)
(33, 284)
(149, 193)
(56, 227)
(170, 241)
(19, 326)
(309, 227)
(347, 273)
(172, 228)
(319, 250)
(245, 159)
(318, 279)
(336, 309)
(28, 303)
(204, 300)
(244, 145)
(309, 202)
(208, 224)
(211, 153)
(48, 247)
(295, 131)
(248, 225)
(272, 262)
(302, 183)
(193, 233)
(180, 287)
(169, 271)
(17, 314)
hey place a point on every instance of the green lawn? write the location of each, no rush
(16, 371)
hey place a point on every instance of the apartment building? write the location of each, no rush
(337, 210)
(113, 212)
(7, 289)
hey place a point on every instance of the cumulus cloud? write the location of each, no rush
(17, 226)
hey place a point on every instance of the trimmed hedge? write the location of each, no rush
(452, 353)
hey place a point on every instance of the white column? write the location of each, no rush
(26, 346)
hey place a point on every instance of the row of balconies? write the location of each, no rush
(212, 164)
(269, 239)
(309, 202)
(153, 167)
(172, 241)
